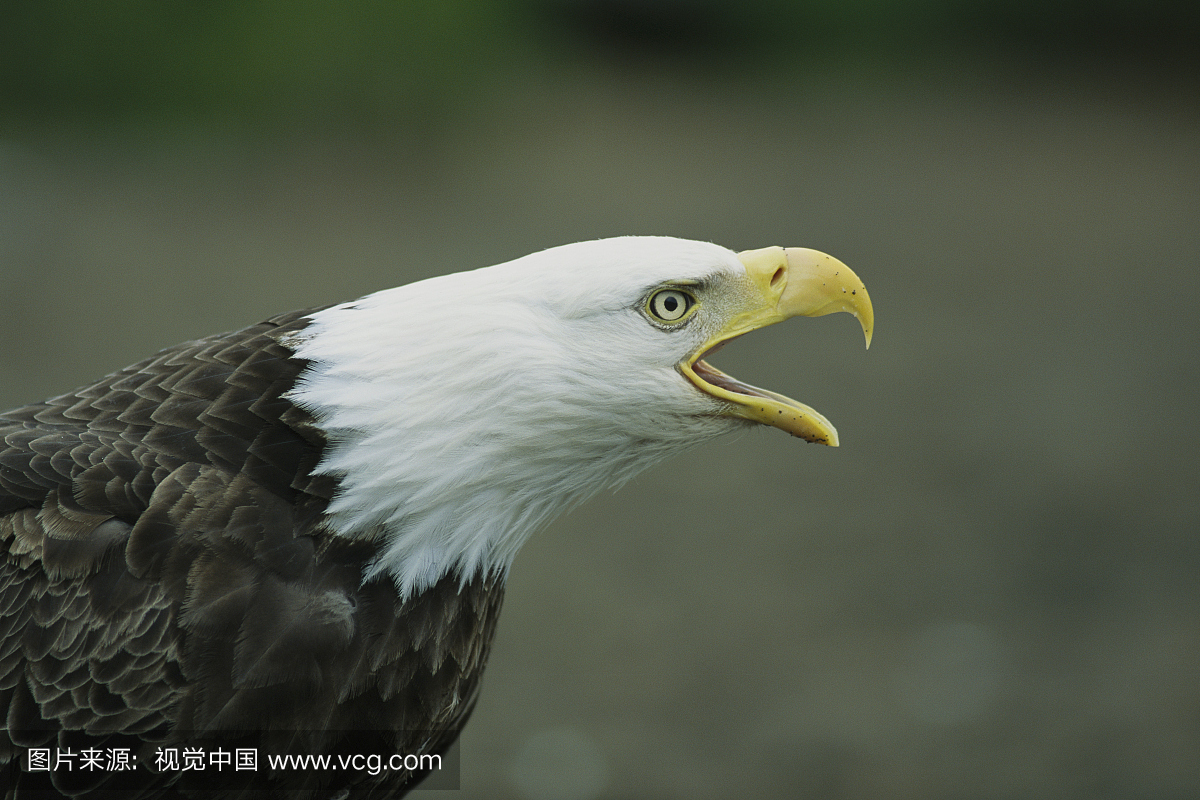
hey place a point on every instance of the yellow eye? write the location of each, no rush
(670, 305)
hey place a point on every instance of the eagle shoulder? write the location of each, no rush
(165, 573)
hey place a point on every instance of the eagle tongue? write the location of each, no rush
(711, 374)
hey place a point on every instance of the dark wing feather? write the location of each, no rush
(165, 576)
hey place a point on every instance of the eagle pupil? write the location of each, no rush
(671, 304)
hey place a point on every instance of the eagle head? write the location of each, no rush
(465, 411)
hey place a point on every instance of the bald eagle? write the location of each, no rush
(294, 538)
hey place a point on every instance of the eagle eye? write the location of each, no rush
(669, 305)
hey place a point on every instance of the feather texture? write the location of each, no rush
(166, 575)
(467, 411)
(295, 536)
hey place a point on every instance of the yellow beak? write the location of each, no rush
(791, 282)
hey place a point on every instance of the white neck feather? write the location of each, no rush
(463, 413)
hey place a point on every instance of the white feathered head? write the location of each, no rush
(465, 411)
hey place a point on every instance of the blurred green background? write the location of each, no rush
(989, 591)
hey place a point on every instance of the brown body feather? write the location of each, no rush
(165, 576)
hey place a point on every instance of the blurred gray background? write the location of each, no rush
(989, 591)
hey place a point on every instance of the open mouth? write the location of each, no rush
(758, 405)
(714, 377)
(782, 283)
